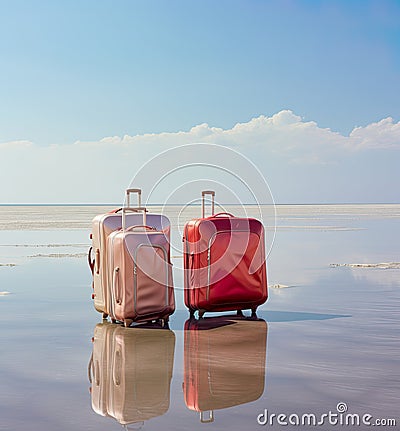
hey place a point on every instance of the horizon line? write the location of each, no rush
(195, 204)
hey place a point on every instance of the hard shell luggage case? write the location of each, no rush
(141, 271)
(102, 226)
(224, 363)
(224, 262)
(129, 377)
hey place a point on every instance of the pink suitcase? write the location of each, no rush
(102, 226)
(225, 263)
(141, 271)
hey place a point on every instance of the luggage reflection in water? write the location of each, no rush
(130, 372)
(225, 362)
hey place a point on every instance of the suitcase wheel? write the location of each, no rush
(105, 315)
(164, 321)
(128, 322)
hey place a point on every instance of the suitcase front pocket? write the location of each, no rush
(234, 267)
(151, 275)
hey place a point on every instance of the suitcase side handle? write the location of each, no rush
(93, 372)
(96, 262)
(90, 368)
(204, 193)
(90, 260)
(116, 286)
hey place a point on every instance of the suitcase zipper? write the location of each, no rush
(135, 280)
(111, 290)
(187, 269)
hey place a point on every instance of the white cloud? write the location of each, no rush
(16, 144)
(291, 152)
(380, 135)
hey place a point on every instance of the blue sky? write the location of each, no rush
(86, 70)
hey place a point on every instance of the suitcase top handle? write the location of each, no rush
(223, 214)
(203, 201)
(145, 227)
(134, 210)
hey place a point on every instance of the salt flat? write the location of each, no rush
(332, 336)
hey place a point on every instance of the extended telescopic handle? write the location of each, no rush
(133, 210)
(210, 418)
(203, 201)
(129, 208)
(139, 196)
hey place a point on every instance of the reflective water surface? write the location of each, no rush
(331, 336)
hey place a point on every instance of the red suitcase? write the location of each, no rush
(224, 262)
(224, 363)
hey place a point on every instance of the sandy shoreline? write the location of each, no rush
(34, 218)
(59, 255)
(382, 265)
